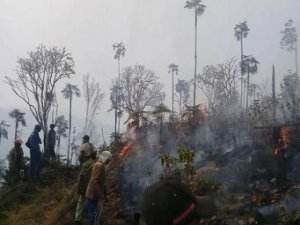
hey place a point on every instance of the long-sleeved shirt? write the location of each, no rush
(35, 141)
(96, 185)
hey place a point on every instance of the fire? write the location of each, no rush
(124, 150)
(132, 132)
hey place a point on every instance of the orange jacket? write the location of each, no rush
(96, 185)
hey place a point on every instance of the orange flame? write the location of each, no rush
(132, 132)
(283, 141)
(124, 150)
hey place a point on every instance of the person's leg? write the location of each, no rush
(98, 213)
(92, 205)
(81, 204)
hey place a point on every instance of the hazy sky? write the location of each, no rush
(155, 33)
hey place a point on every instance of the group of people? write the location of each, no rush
(91, 183)
(166, 202)
(33, 143)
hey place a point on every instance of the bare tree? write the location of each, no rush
(140, 89)
(37, 77)
(19, 118)
(218, 84)
(93, 96)
(289, 40)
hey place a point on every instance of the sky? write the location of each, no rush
(155, 33)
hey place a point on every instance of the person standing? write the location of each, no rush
(85, 149)
(34, 142)
(96, 190)
(16, 157)
(51, 140)
(83, 180)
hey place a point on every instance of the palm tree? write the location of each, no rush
(289, 40)
(19, 118)
(249, 65)
(62, 126)
(199, 10)
(68, 93)
(158, 113)
(3, 131)
(173, 68)
(120, 50)
(182, 87)
(241, 31)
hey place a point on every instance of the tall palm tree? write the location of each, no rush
(289, 40)
(19, 118)
(62, 126)
(3, 131)
(182, 87)
(173, 68)
(120, 50)
(68, 93)
(240, 32)
(249, 65)
(199, 10)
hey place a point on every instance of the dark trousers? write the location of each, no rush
(35, 164)
(94, 211)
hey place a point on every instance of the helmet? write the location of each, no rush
(104, 156)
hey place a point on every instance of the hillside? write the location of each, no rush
(51, 201)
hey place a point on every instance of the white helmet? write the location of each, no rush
(104, 156)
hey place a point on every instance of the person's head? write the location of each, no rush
(105, 157)
(52, 126)
(170, 202)
(18, 142)
(93, 155)
(37, 128)
(86, 138)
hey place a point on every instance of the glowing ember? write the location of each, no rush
(283, 141)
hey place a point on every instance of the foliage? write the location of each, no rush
(289, 38)
(202, 186)
(19, 118)
(116, 141)
(3, 131)
(184, 162)
(37, 76)
(183, 88)
(119, 49)
(195, 4)
(241, 30)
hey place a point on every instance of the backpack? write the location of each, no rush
(84, 178)
(28, 143)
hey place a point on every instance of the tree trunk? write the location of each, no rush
(172, 94)
(296, 58)
(241, 71)
(273, 94)
(16, 128)
(70, 128)
(58, 148)
(116, 117)
(195, 69)
(247, 97)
